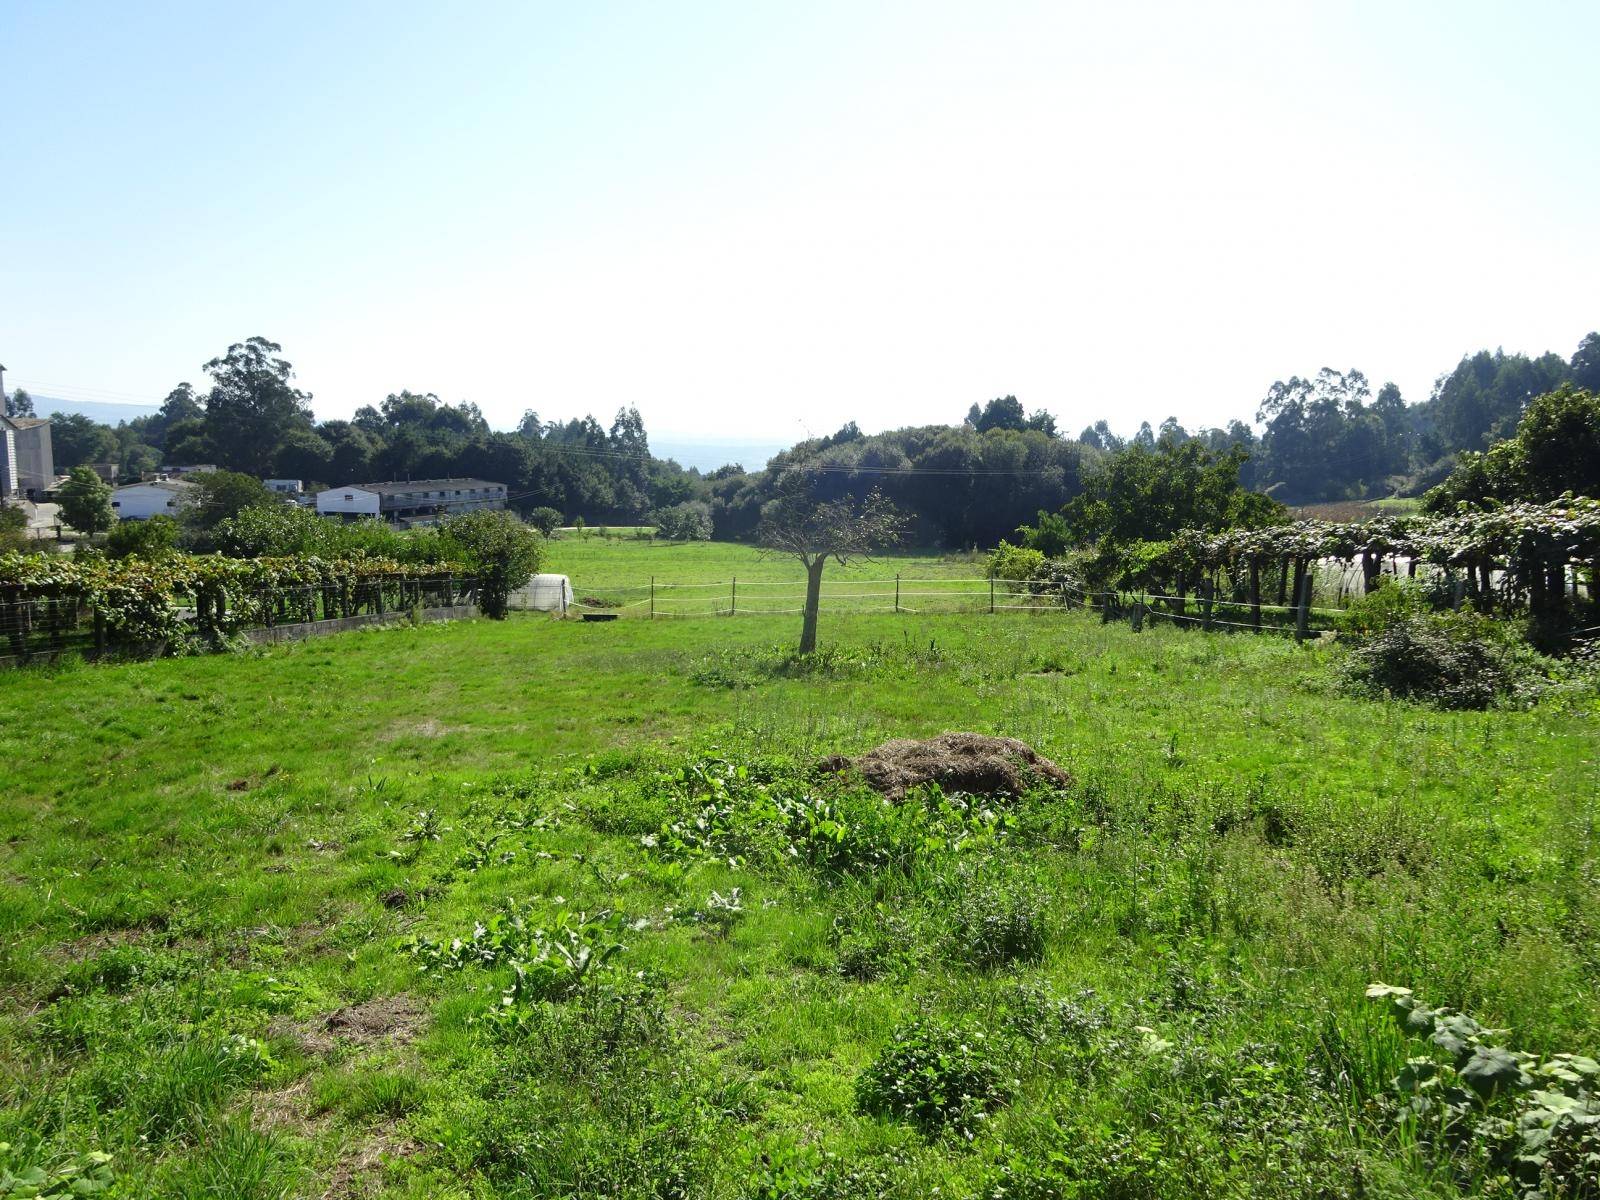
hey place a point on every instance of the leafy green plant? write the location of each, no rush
(722, 913)
(774, 814)
(85, 1174)
(498, 549)
(550, 961)
(935, 1075)
(874, 942)
(1536, 1119)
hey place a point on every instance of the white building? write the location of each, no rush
(284, 487)
(347, 502)
(159, 497)
(414, 501)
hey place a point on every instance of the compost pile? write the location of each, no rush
(957, 762)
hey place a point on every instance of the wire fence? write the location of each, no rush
(664, 600)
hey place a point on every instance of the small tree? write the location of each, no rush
(86, 502)
(545, 519)
(814, 531)
(216, 496)
(19, 404)
(499, 549)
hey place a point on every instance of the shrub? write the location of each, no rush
(1016, 563)
(934, 1075)
(1452, 660)
(13, 528)
(216, 496)
(873, 942)
(154, 537)
(687, 522)
(1381, 609)
(499, 549)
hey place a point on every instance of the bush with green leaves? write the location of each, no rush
(13, 528)
(1451, 660)
(686, 522)
(1014, 563)
(936, 1075)
(152, 538)
(499, 550)
(1534, 1120)
(1382, 608)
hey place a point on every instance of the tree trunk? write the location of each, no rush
(808, 630)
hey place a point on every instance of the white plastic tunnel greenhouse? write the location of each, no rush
(544, 593)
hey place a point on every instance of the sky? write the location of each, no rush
(761, 220)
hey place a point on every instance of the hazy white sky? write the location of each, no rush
(752, 218)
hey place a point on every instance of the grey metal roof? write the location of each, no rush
(425, 485)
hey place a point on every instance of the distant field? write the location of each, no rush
(596, 562)
(697, 578)
(258, 913)
(1360, 510)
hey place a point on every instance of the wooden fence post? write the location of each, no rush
(1255, 594)
(1207, 587)
(652, 597)
(897, 591)
(733, 598)
(991, 595)
(1302, 608)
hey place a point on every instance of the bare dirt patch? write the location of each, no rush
(381, 1021)
(957, 762)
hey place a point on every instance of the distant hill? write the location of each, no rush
(95, 410)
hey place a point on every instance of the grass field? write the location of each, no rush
(1360, 510)
(260, 911)
(600, 563)
(701, 578)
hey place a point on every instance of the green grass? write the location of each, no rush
(600, 563)
(707, 578)
(204, 858)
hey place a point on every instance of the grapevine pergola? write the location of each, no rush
(137, 602)
(1518, 556)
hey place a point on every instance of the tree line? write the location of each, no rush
(254, 421)
(1326, 436)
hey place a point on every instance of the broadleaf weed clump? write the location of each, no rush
(936, 1075)
(1528, 1122)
